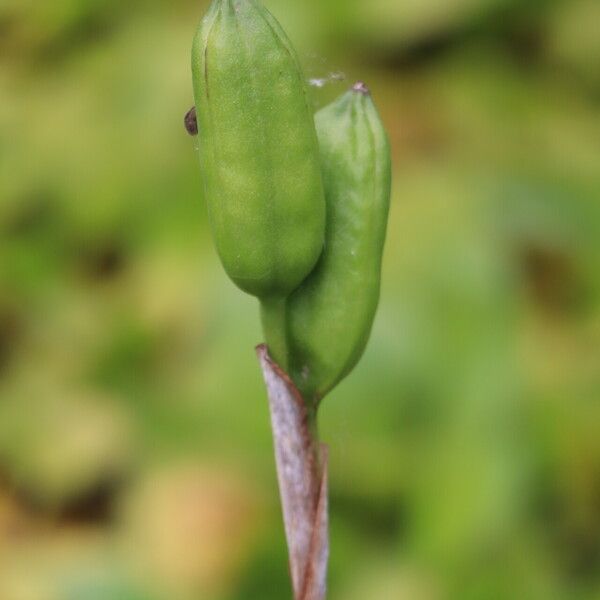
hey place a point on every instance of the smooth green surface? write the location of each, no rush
(329, 317)
(258, 149)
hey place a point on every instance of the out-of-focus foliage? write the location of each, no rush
(574, 42)
(135, 452)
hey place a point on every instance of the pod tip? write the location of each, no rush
(361, 88)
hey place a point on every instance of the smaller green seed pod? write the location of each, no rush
(330, 316)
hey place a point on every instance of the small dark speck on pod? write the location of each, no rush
(191, 122)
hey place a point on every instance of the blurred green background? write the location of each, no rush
(135, 453)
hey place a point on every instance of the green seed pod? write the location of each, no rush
(329, 318)
(258, 150)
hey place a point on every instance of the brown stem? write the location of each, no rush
(302, 474)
